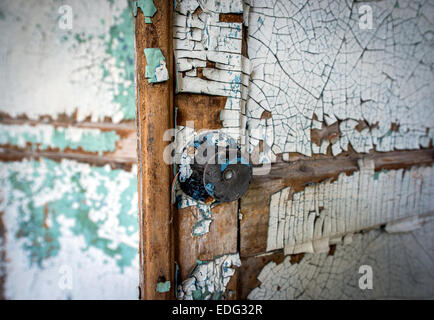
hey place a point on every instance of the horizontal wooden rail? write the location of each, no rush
(255, 203)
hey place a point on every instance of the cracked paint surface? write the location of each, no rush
(88, 71)
(311, 59)
(201, 40)
(330, 212)
(69, 216)
(402, 268)
(209, 279)
(44, 137)
(309, 64)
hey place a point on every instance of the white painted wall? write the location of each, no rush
(71, 229)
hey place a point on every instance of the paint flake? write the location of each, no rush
(324, 213)
(148, 8)
(156, 70)
(201, 37)
(163, 286)
(209, 279)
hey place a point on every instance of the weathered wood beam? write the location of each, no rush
(116, 162)
(125, 153)
(154, 117)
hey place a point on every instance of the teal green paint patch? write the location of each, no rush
(89, 142)
(75, 192)
(41, 242)
(163, 286)
(81, 37)
(201, 227)
(120, 45)
(199, 295)
(148, 20)
(154, 59)
(147, 6)
(45, 137)
(377, 173)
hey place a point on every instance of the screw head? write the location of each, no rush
(228, 174)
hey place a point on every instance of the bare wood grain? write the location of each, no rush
(221, 238)
(202, 110)
(154, 117)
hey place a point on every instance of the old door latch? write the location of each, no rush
(212, 169)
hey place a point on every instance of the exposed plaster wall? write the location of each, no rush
(402, 268)
(74, 217)
(329, 212)
(87, 71)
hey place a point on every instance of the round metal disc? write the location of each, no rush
(227, 182)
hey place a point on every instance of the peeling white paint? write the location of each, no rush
(311, 58)
(71, 230)
(161, 73)
(402, 268)
(200, 37)
(209, 278)
(326, 212)
(88, 69)
(204, 220)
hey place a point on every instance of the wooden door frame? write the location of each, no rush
(154, 117)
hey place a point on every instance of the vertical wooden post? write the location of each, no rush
(154, 117)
